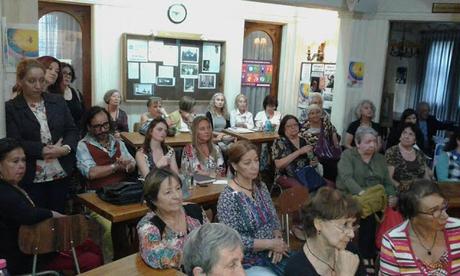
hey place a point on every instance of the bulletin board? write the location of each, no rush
(316, 77)
(171, 68)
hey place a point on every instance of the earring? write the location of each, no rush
(318, 232)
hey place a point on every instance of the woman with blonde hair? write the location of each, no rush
(240, 116)
(218, 116)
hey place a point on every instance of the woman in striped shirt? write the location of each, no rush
(428, 242)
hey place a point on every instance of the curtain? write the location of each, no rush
(439, 74)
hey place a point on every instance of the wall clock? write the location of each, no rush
(177, 13)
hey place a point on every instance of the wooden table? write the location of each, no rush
(256, 137)
(132, 265)
(136, 140)
(125, 217)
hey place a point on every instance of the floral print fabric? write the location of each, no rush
(213, 165)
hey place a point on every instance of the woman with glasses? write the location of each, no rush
(329, 221)
(427, 242)
(72, 96)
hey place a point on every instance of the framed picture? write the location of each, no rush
(143, 89)
(164, 81)
(189, 54)
(189, 70)
(189, 85)
(207, 81)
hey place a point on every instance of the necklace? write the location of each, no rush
(404, 150)
(238, 184)
(428, 250)
(332, 268)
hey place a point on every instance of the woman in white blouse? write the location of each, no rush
(241, 117)
(269, 113)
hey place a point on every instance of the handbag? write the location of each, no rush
(325, 149)
(391, 218)
(309, 178)
(373, 200)
(125, 192)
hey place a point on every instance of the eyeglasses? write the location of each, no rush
(438, 212)
(105, 125)
(345, 229)
(67, 73)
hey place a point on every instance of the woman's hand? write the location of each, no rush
(305, 149)
(346, 262)
(278, 246)
(220, 136)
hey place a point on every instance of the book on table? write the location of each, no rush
(200, 179)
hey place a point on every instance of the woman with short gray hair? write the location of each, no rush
(365, 112)
(213, 249)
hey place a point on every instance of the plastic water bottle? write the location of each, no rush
(268, 126)
(3, 271)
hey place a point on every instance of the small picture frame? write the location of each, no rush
(163, 81)
(143, 89)
(189, 54)
(189, 85)
(189, 70)
(206, 81)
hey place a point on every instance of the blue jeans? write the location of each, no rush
(265, 267)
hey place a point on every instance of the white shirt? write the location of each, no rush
(237, 118)
(261, 118)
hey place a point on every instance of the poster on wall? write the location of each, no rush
(258, 73)
(355, 74)
(137, 50)
(21, 42)
(211, 58)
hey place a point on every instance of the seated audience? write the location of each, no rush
(202, 156)
(317, 127)
(43, 125)
(17, 208)
(329, 221)
(405, 162)
(365, 111)
(118, 117)
(246, 206)
(182, 119)
(217, 114)
(53, 74)
(269, 114)
(155, 153)
(240, 116)
(426, 243)
(359, 169)
(408, 116)
(314, 98)
(72, 96)
(448, 163)
(291, 152)
(155, 110)
(164, 229)
(220, 251)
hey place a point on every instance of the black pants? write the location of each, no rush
(366, 239)
(49, 195)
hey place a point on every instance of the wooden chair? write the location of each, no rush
(290, 201)
(53, 235)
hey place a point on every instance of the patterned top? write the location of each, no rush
(252, 218)
(312, 134)
(51, 169)
(214, 165)
(163, 250)
(406, 170)
(398, 258)
(448, 166)
(282, 148)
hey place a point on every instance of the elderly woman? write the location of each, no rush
(240, 116)
(269, 118)
(17, 208)
(365, 111)
(154, 153)
(43, 125)
(291, 152)
(72, 96)
(221, 251)
(448, 163)
(426, 243)
(329, 222)
(164, 229)
(113, 100)
(182, 119)
(246, 206)
(217, 114)
(408, 116)
(405, 162)
(314, 98)
(202, 156)
(359, 169)
(53, 74)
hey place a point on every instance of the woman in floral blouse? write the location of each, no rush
(202, 156)
(246, 206)
(163, 231)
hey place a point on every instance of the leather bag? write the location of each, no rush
(125, 192)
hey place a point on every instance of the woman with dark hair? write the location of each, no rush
(365, 112)
(269, 114)
(53, 74)
(408, 116)
(448, 163)
(182, 118)
(164, 229)
(72, 96)
(329, 220)
(405, 162)
(291, 152)
(155, 153)
(17, 208)
(43, 125)
(113, 100)
(246, 206)
(427, 242)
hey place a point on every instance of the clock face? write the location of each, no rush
(177, 13)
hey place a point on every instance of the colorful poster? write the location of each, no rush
(258, 73)
(22, 42)
(355, 74)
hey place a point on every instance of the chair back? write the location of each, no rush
(54, 234)
(136, 126)
(292, 199)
